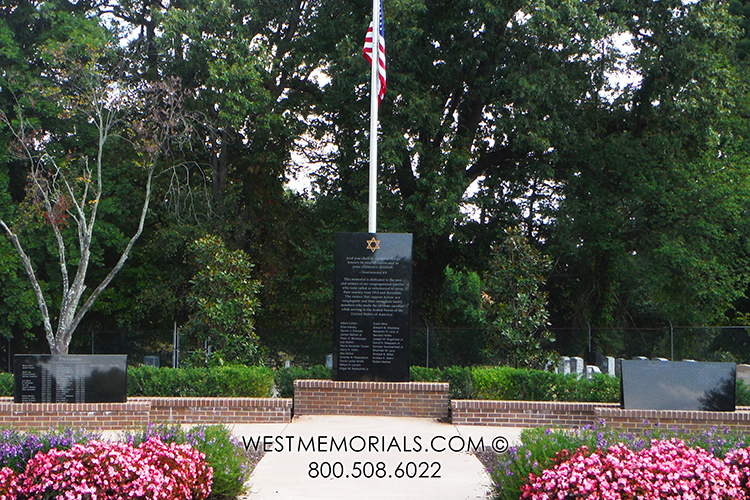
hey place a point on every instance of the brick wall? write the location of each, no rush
(218, 410)
(545, 414)
(139, 411)
(523, 413)
(634, 419)
(326, 397)
(399, 399)
(105, 416)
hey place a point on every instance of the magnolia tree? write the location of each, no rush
(516, 304)
(67, 188)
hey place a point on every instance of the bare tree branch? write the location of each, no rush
(34, 283)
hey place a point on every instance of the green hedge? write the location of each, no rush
(742, 394)
(460, 379)
(227, 381)
(6, 384)
(498, 383)
(505, 383)
(285, 377)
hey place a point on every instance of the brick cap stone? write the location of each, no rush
(372, 386)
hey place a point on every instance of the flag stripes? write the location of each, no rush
(367, 52)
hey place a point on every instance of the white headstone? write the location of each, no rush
(565, 365)
(610, 364)
(576, 365)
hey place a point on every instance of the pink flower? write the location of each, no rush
(105, 470)
(667, 470)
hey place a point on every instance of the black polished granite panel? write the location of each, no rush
(677, 385)
(70, 378)
(372, 330)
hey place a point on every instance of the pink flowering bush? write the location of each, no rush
(668, 469)
(8, 484)
(107, 470)
(740, 459)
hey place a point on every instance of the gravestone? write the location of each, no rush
(609, 366)
(372, 307)
(681, 385)
(591, 370)
(576, 365)
(70, 378)
(565, 365)
(151, 361)
(618, 367)
(595, 358)
(743, 373)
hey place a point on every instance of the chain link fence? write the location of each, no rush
(673, 342)
(440, 347)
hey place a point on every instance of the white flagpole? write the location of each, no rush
(373, 202)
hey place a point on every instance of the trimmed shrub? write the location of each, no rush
(505, 383)
(285, 377)
(460, 379)
(6, 384)
(422, 374)
(228, 381)
(742, 393)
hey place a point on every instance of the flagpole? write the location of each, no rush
(373, 198)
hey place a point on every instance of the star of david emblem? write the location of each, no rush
(373, 244)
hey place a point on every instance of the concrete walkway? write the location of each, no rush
(368, 458)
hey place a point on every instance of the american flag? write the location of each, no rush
(381, 54)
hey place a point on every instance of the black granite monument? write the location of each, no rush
(680, 385)
(372, 309)
(70, 378)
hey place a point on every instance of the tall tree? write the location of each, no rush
(480, 97)
(67, 163)
(652, 226)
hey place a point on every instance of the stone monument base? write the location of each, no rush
(384, 399)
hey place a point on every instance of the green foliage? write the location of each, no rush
(18, 307)
(507, 383)
(6, 384)
(742, 393)
(456, 331)
(285, 377)
(460, 379)
(539, 447)
(649, 228)
(224, 453)
(461, 300)
(224, 301)
(638, 193)
(516, 304)
(222, 381)
(422, 374)
(226, 457)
